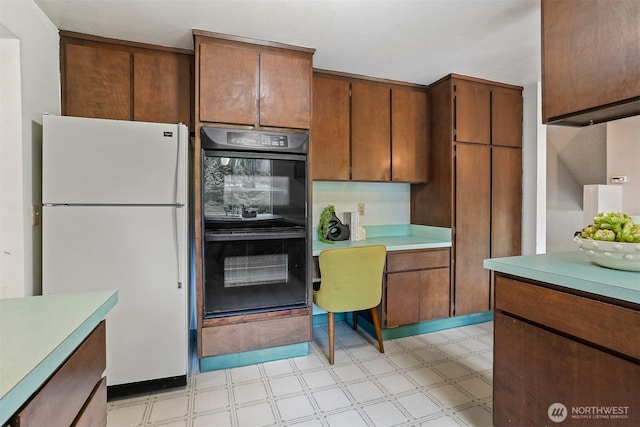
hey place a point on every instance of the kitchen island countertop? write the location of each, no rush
(572, 270)
(37, 334)
(395, 238)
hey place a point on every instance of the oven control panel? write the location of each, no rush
(253, 139)
(213, 138)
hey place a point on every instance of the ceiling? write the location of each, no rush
(416, 41)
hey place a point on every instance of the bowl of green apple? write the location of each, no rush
(613, 241)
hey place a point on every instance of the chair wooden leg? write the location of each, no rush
(376, 325)
(355, 321)
(330, 320)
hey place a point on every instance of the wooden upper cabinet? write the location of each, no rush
(408, 135)
(228, 84)
(330, 150)
(487, 114)
(115, 79)
(246, 83)
(370, 132)
(162, 88)
(472, 112)
(506, 117)
(285, 90)
(96, 82)
(590, 61)
(367, 129)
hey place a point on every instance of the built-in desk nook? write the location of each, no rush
(417, 292)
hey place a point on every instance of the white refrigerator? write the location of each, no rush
(114, 216)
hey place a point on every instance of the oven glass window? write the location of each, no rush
(250, 276)
(255, 270)
(236, 188)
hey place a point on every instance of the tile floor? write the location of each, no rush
(437, 379)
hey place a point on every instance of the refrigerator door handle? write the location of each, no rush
(181, 174)
(179, 214)
(181, 196)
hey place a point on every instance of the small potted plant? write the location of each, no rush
(323, 226)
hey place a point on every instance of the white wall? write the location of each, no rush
(11, 217)
(534, 178)
(23, 22)
(564, 203)
(623, 158)
(385, 203)
(584, 156)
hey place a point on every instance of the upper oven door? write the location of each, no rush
(243, 189)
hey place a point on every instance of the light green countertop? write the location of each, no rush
(37, 334)
(395, 238)
(572, 270)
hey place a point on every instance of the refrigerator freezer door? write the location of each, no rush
(98, 161)
(136, 251)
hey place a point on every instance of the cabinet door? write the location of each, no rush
(590, 56)
(506, 201)
(162, 88)
(65, 393)
(472, 234)
(330, 140)
(535, 368)
(285, 90)
(408, 135)
(506, 117)
(472, 112)
(94, 411)
(97, 82)
(228, 84)
(402, 293)
(370, 132)
(434, 294)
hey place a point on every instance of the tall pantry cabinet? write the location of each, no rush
(475, 182)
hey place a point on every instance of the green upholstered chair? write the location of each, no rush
(351, 280)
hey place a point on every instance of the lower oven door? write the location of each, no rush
(254, 272)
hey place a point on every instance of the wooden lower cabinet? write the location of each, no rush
(253, 332)
(416, 296)
(94, 412)
(76, 394)
(417, 287)
(553, 347)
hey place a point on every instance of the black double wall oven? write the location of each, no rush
(254, 202)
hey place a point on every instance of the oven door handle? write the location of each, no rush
(255, 236)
